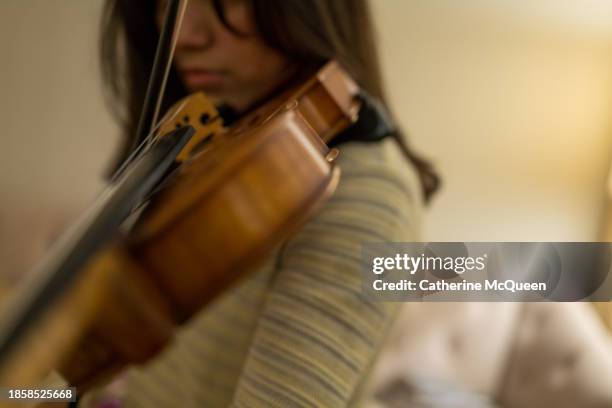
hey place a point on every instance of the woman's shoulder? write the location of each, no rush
(383, 159)
(380, 174)
(378, 197)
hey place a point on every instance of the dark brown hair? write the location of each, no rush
(310, 32)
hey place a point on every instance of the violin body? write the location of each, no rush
(237, 194)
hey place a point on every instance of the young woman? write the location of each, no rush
(296, 332)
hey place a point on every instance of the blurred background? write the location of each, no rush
(512, 100)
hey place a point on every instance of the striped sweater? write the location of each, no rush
(297, 332)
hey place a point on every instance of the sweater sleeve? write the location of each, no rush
(317, 334)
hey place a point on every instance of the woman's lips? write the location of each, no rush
(202, 78)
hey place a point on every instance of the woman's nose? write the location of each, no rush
(196, 31)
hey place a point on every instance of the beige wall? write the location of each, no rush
(512, 99)
(56, 135)
(56, 132)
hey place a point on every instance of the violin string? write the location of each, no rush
(138, 151)
(147, 142)
(154, 136)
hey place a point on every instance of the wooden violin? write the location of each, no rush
(194, 209)
(221, 201)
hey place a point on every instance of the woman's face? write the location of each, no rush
(229, 68)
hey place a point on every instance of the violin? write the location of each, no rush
(223, 213)
(193, 211)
